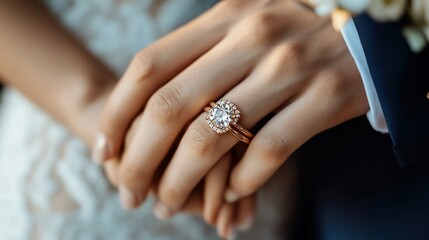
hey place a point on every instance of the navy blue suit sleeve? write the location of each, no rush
(401, 79)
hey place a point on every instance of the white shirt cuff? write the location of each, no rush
(375, 114)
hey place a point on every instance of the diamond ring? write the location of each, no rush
(223, 116)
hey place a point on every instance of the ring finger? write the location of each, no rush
(201, 147)
(169, 110)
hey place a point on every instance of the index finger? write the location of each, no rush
(149, 70)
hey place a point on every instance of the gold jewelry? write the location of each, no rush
(223, 116)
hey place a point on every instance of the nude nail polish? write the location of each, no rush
(231, 234)
(101, 149)
(129, 200)
(246, 224)
(231, 196)
(161, 211)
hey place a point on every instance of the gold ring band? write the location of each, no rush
(223, 116)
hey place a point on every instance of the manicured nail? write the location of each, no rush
(101, 149)
(129, 200)
(161, 211)
(231, 234)
(219, 230)
(246, 224)
(231, 196)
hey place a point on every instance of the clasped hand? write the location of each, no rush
(265, 57)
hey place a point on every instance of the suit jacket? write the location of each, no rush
(401, 79)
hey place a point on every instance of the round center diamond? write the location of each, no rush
(222, 115)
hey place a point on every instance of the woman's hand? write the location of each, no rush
(264, 56)
(58, 74)
(207, 199)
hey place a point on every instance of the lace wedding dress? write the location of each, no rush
(49, 187)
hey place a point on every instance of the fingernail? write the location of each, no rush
(231, 234)
(246, 224)
(231, 196)
(219, 231)
(101, 149)
(161, 211)
(129, 200)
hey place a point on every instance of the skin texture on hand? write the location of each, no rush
(42, 60)
(207, 199)
(264, 56)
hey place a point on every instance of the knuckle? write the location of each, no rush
(224, 13)
(166, 105)
(273, 147)
(171, 193)
(234, 8)
(285, 59)
(330, 84)
(144, 56)
(289, 52)
(131, 174)
(346, 97)
(330, 75)
(259, 29)
(144, 63)
(202, 139)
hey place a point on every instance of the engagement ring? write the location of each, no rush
(223, 116)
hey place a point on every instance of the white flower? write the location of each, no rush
(415, 38)
(417, 34)
(387, 10)
(354, 6)
(325, 7)
(419, 11)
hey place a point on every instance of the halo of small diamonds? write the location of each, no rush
(222, 115)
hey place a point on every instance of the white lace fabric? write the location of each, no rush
(49, 187)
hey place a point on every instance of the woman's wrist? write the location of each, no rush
(84, 113)
(51, 67)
